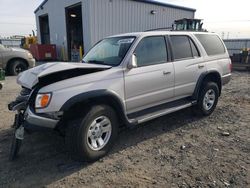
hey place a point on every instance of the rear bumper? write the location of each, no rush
(225, 79)
(36, 121)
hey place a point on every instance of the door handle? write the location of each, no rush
(201, 66)
(166, 72)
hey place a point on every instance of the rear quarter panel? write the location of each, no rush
(220, 63)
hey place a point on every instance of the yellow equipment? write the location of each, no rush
(27, 41)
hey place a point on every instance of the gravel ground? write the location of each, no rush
(178, 150)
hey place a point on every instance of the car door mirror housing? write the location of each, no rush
(133, 62)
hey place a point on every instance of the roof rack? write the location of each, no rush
(160, 29)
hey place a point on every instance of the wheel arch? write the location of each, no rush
(9, 62)
(205, 77)
(80, 104)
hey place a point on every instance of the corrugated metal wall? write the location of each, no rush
(110, 17)
(103, 18)
(57, 23)
(234, 46)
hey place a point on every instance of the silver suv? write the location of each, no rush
(123, 80)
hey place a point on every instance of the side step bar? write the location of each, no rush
(161, 113)
(161, 110)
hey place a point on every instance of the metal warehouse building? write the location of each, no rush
(235, 46)
(79, 24)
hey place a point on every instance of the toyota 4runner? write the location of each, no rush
(126, 79)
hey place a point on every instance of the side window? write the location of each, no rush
(181, 47)
(194, 49)
(151, 50)
(212, 44)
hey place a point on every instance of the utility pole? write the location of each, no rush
(222, 34)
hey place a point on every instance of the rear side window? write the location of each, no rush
(194, 49)
(151, 50)
(183, 47)
(212, 44)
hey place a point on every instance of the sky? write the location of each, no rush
(229, 18)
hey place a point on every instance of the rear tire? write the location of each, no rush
(17, 66)
(86, 139)
(208, 99)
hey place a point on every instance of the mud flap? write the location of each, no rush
(18, 136)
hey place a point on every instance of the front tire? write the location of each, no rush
(91, 137)
(17, 66)
(208, 99)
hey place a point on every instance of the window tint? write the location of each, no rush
(181, 47)
(151, 50)
(212, 44)
(194, 49)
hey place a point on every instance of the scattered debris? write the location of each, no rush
(179, 175)
(160, 151)
(225, 134)
(226, 183)
(183, 147)
(244, 168)
(220, 128)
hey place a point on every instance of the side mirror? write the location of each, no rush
(133, 62)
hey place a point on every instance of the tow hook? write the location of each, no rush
(18, 136)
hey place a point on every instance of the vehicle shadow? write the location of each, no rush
(43, 158)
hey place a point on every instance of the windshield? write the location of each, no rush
(110, 51)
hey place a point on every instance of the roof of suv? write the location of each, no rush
(150, 33)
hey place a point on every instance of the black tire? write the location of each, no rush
(200, 108)
(77, 139)
(17, 66)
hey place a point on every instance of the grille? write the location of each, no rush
(25, 91)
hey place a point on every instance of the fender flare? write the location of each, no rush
(92, 95)
(200, 81)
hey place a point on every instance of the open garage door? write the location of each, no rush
(44, 29)
(74, 32)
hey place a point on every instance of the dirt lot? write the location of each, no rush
(178, 150)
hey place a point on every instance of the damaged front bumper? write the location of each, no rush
(30, 119)
(37, 121)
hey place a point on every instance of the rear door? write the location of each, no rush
(152, 82)
(188, 64)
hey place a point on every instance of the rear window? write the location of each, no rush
(212, 44)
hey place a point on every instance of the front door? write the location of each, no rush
(152, 82)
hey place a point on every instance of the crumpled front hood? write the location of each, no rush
(56, 71)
